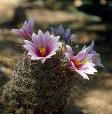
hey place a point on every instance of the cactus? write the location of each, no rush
(44, 76)
(35, 87)
(20, 90)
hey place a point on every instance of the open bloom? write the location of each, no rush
(82, 63)
(42, 46)
(63, 33)
(26, 30)
(96, 58)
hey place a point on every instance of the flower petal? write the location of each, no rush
(43, 46)
(26, 31)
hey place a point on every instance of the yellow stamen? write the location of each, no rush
(77, 62)
(42, 50)
(85, 61)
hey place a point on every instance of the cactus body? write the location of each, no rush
(42, 79)
(37, 88)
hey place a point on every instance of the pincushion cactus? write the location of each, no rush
(43, 77)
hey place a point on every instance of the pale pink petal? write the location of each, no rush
(90, 70)
(60, 30)
(30, 25)
(40, 34)
(81, 55)
(36, 58)
(50, 54)
(28, 42)
(67, 33)
(89, 57)
(43, 60)
(46, 38)
(73, 37)
(97, 61)
(84, 48)
(36, 40)
(26, 30)
(84, 75)
(69, 50)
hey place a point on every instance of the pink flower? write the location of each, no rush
(82, 63)
(96, 58)
(65, 34)
(26, 30)
(42, 46)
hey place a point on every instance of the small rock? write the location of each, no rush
(7, 9)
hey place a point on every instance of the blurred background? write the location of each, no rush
(88, 19)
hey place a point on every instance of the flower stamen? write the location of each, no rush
(42, 51)
(85, 61)
(77, 63)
